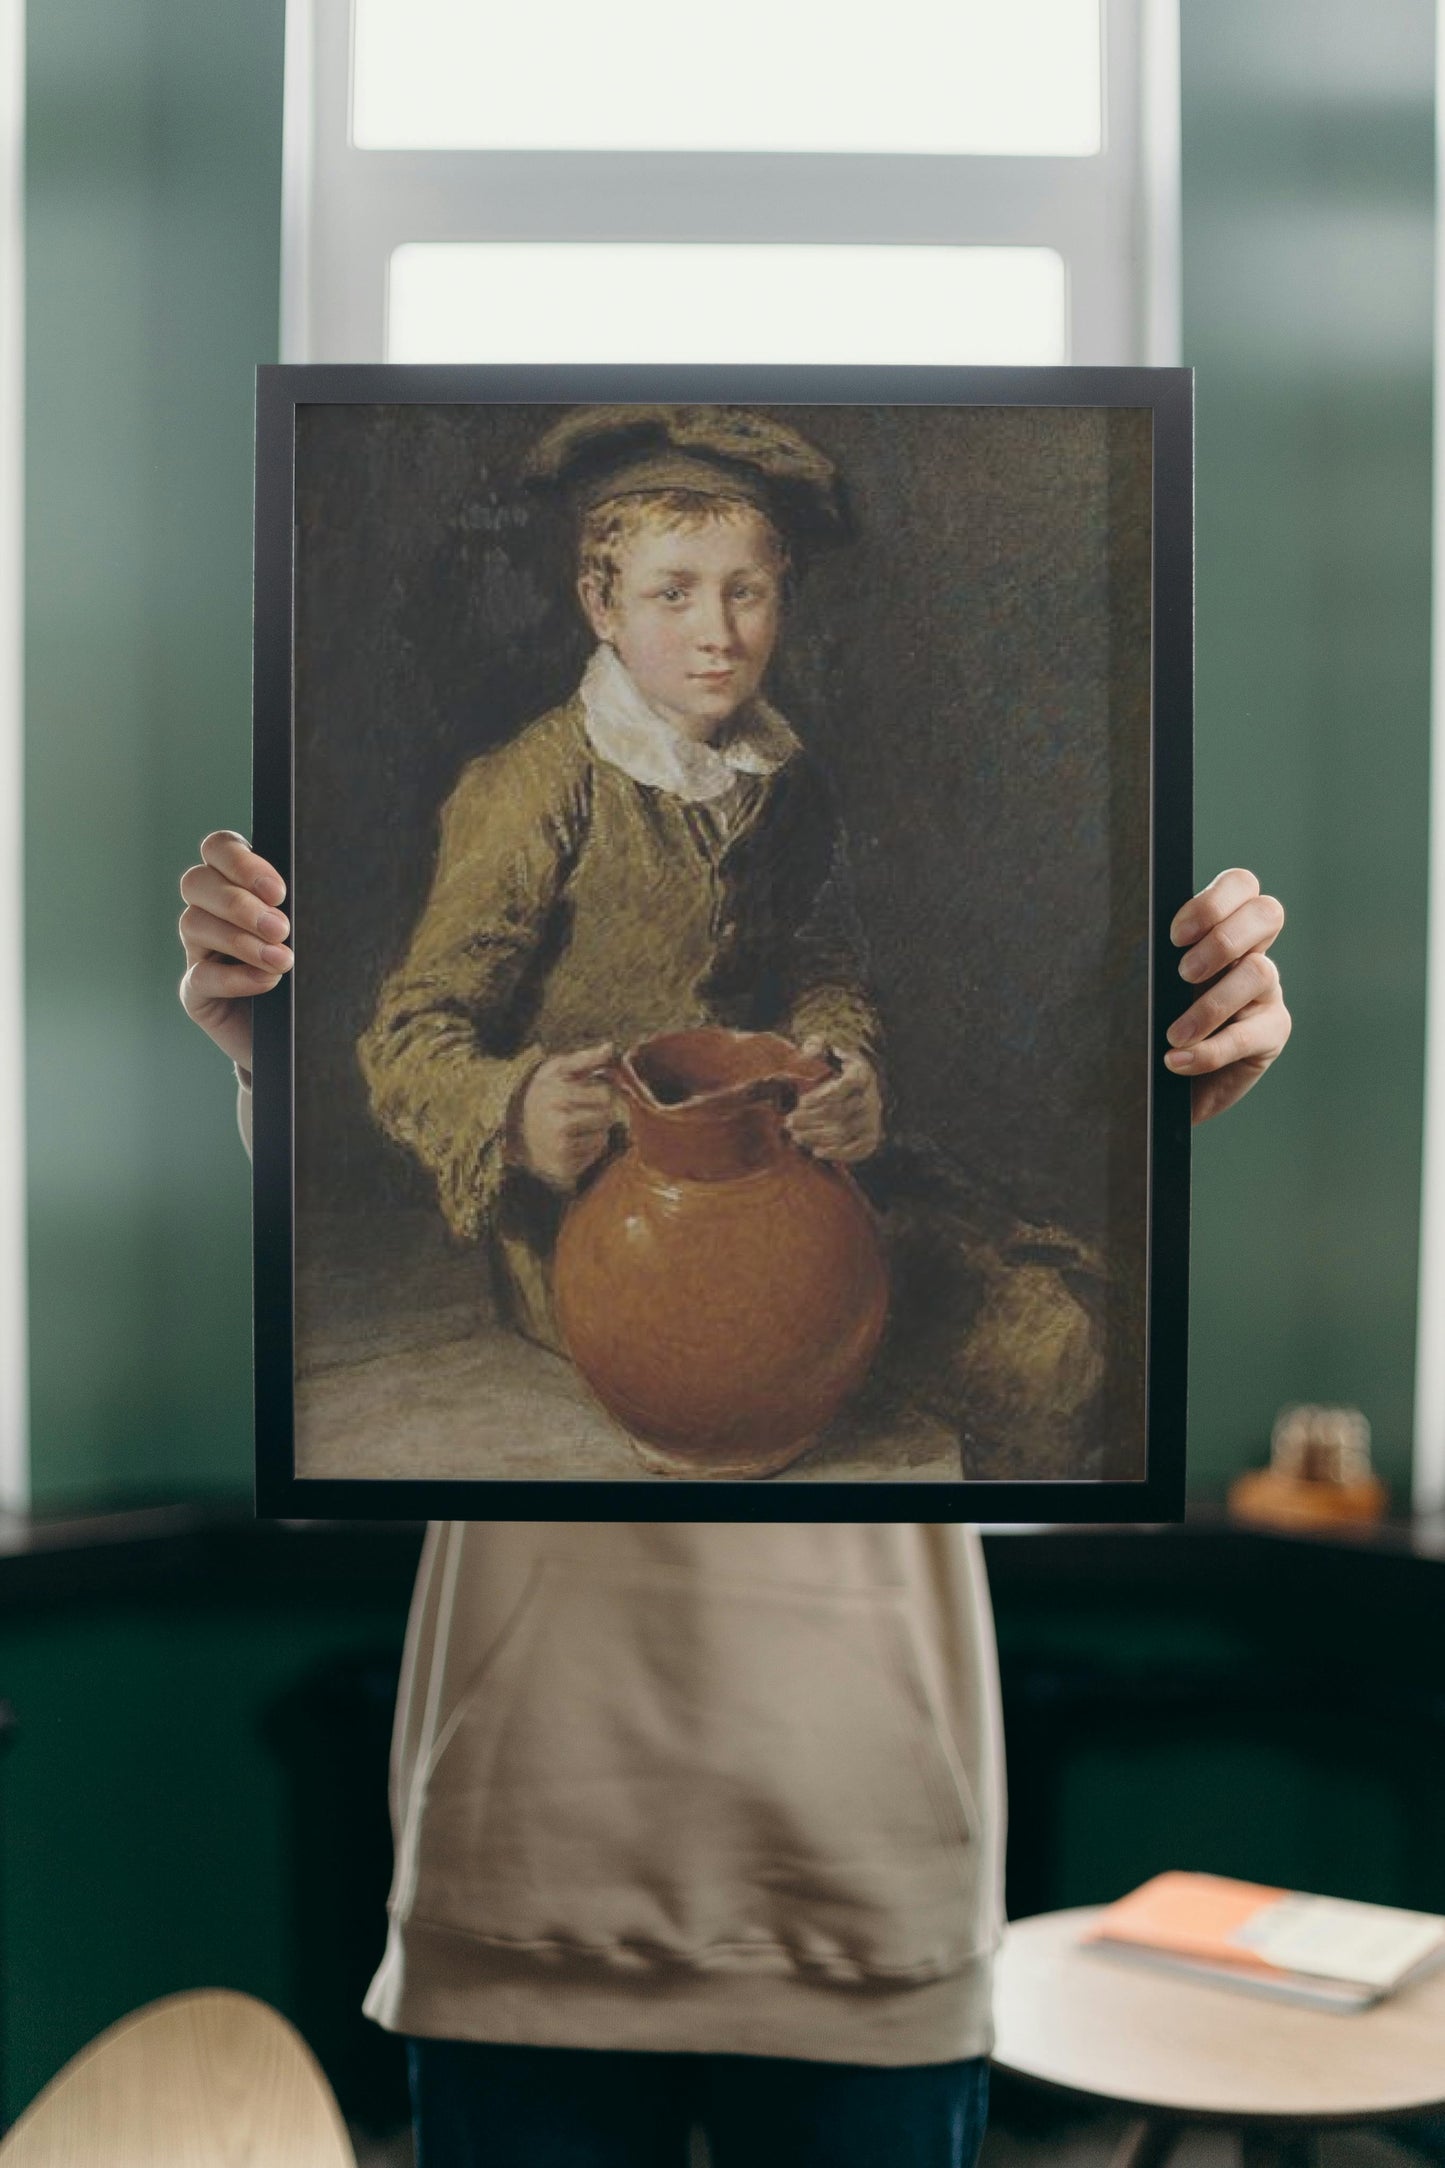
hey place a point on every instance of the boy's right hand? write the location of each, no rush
(564, 1116)
(233, 936)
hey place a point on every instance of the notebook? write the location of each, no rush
(1331, 1953)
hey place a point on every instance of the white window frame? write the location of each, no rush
(14, 1427)
(1113, 217)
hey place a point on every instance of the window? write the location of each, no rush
(663, 301)
(987, 184)
(951, 77)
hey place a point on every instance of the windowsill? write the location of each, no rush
(1420, 1537)
(222, 1549)
(209, 1548)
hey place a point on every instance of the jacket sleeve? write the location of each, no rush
(441, 1057)
(829, 997)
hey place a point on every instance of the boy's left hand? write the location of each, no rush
(841, 1118)
(1238, 1023)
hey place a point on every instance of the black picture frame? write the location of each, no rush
(1158, 1496)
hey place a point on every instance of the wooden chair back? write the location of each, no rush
(211, 2079)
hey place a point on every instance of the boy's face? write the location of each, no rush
(694, 615)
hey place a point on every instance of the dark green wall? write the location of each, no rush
(1308, 236)
(153, 210)
(149, 1832)
(154, 144)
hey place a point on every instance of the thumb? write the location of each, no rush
(585, 1059)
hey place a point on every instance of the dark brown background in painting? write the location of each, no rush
(975, 669)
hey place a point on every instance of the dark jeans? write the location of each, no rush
(522, 2107)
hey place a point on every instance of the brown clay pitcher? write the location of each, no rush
(721, 1292)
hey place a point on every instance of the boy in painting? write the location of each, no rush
(658, 852)
(661, 851)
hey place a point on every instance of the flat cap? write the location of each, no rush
(596, 453)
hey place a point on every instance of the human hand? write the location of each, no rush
(564, 1116)
(234, 939)
(840, 1118)
(1229, 1035)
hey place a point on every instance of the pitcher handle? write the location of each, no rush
(786, 1086)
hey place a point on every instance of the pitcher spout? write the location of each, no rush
(708, 1105)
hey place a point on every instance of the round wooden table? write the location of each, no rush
(1183, 2052)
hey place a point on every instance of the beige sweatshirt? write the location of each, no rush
(697, 1787)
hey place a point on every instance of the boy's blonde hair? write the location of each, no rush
(608, 527)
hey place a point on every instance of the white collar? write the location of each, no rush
(627, 730)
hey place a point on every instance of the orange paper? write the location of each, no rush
(1190, 1915)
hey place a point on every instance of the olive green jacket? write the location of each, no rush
(571, 905)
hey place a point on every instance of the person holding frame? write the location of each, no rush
(735, 1856)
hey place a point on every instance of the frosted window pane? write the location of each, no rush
(656, 302)
(1008, 77)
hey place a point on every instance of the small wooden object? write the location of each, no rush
(213, 2080)
(1319, 1473)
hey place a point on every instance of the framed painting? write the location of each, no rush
(732, 820)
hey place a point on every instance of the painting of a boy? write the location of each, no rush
(659, 851)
